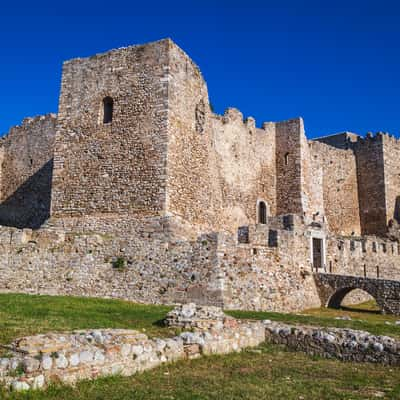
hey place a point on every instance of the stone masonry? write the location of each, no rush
(136, 189)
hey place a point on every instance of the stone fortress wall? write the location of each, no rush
(117, 167)
(26, 158)
(162, 204)
(338, 171)
(271, 270)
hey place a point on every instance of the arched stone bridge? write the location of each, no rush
(333, 288)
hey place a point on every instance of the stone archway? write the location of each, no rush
(336, 299)
(333, 288)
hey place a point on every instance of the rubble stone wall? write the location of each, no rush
(371, 185)
(342, 344)
(74, 258)
(144, 260)
(190, 183)
(110, 257)
(391, 157)
(120, 166)
(26, 172)
(245, 167)
(289, 159)
(340, 188)
(40, 360)
(266, 273)
(218, 166)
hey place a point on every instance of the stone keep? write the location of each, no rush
(136, 171)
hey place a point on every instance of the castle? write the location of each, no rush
(137, 190)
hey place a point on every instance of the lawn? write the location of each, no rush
(268, 372)
(22, 315)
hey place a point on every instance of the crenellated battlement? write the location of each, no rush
(26, 124)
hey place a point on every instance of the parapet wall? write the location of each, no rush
(369, 256)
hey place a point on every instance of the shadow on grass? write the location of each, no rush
(359, 310)
(159, 323)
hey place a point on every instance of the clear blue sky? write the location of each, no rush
(334, 63)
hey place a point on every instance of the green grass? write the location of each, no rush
(363, 316)
(22, 315)
(269, 372)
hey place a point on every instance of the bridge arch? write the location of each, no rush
(333, 288)
(337, 296)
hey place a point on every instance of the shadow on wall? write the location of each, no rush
(29, 205)
(397, 209)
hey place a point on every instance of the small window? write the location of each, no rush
(272, 238)
(374, 247)
(243, 234)
(364, 246)
(287, 159)
(262, 212)
(352, 245)
(108, 106)
(384, 247)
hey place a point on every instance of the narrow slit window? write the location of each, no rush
(287, 159)
(108, 108)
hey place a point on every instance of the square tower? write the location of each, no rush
(111, 141)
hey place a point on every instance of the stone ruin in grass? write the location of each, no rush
(36, 361)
